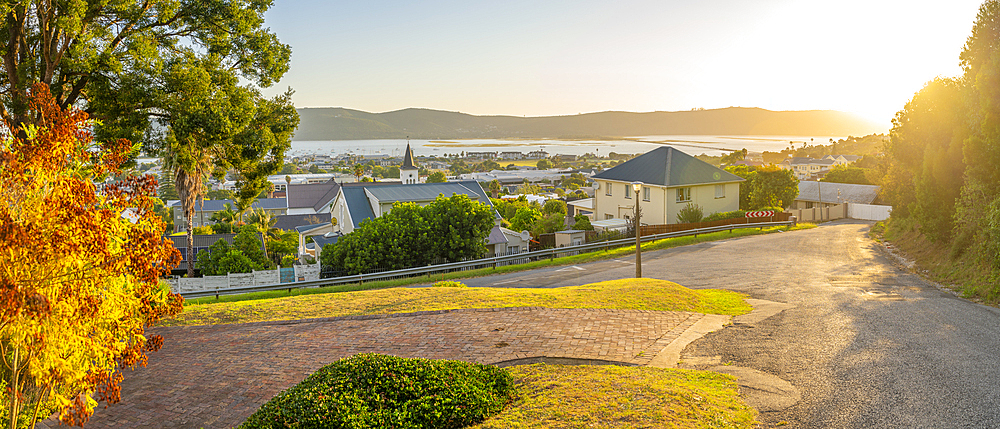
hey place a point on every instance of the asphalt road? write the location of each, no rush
(867, 344)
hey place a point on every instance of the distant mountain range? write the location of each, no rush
(335, 123)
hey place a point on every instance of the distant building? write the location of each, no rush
(806, 168)
(204, 209)
(408, 172)
(824, 194)
(537, 154)
(511, 155)
(481, 155)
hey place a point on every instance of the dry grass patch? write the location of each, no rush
(557, 396)
(627, 294)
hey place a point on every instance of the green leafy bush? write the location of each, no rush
(378, 391)
(690, 213)
(725, 215)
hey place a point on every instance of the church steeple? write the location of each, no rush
(408, 172)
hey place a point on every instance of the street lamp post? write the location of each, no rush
(636, 187)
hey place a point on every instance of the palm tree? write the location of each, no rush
(359, 170)
(495, 188)
(264, 221)
(190, 165)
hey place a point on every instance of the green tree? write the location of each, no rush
(448, 229)
(208, 262)
(459, 226)
(554, 206)
(495, 188)
(289, 168)
(248, 242)
(436, 177)
(735, 156)
(167, 191)
(524, 219)
(748, 173)
(113, 58)
(236, 262)
(773, 187)
(543, 164)
(847, 174)
(582, 222)
(219, 194)
(548, 224)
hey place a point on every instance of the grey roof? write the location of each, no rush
(204, 240)
(314, 195)
(421, 192)
(496, 236)
(323, 240)
(666, 166)
(290, 222)
(837, 192)
(360, 209)
(408, 159)
(798, 160)
(219, 205)
(304, 228)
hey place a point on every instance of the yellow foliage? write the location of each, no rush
(79, 262)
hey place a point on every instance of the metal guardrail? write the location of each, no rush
(478, 263)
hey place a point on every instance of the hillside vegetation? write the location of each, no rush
(941, 173)
(336, 123)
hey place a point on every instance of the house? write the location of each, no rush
(566, 158)
(356, 202)
(201, 244)
(580, 207)
(670, 180)
(204, 209)
(481, 155)
(824, 194)
(806, 168)
(842, 159)
(311, 198)
(537, 154)
(290, 222)
(511, 155)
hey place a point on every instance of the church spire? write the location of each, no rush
(408, 158)
(408, 172)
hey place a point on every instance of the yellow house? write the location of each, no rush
(670, 180)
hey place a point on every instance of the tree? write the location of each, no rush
(748, 174)
(543, 164)
(437, 177)
(219, 194)
(113, 57)
(495, 188)
(208, 262)
(167, 191)
(264, 221)
(248, 241)
(524, 219)
(289, 168)
(847, 174)
(735, 156)
(79, 268)
(553, 207)
(446, 230)
(582, 222)
(359, 170)
(773, 187)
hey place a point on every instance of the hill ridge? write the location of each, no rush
(340, 123)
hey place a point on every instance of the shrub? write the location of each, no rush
(690, 213)
(378, 391)
(448, 283)
(725, 215)
(288, 261)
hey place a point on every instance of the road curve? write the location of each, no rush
(866, 343)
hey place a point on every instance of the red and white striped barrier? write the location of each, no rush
(765, 213)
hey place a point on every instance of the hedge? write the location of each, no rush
(379, 391)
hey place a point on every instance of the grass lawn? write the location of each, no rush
(558, 396)
(566, 260)
(627, 294)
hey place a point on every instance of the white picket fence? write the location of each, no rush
(868, 211)
(256, 278)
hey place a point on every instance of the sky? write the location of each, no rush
(554, 57)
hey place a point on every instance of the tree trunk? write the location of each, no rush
(190, 240)
(14, 391)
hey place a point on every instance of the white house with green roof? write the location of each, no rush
(671, 179)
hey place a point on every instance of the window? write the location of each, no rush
(607, 216)
(628, 191)
(607, 189)
(184, 252)
(683, 195)
(720, 191)
(645, 193)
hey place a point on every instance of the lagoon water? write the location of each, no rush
(692, 145)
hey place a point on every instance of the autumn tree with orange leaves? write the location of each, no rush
(80, 266)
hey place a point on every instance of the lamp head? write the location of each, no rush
(636, 186)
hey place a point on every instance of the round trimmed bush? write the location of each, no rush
(379, 391)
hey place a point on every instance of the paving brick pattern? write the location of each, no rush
(216, 376)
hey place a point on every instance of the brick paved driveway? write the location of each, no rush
(216, 376)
